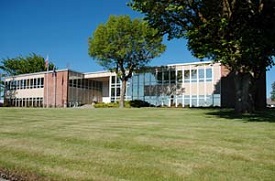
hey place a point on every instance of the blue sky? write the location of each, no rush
(60, 29)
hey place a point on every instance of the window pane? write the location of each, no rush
(159, 77)
(172, 76)
(113, 92)
(201, 75)
(179, 76)
(209, 74)
(118, 92)
(194, 75)
(113, 79)
(147, 78)
(186, 75)
(166, 77)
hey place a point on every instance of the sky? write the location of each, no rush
(60, 30)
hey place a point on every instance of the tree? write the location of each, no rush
(22, 65)
(273, 92)
(123, 46)
(237, 33)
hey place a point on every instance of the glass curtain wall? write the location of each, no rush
(175, 86)
(158, 86)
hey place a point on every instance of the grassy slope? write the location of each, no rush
(136, 144)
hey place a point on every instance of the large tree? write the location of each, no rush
(238, 33)
(123, 45)
(23, 65)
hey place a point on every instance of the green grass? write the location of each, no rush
(137, 144)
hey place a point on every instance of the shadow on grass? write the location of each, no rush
(267, 115)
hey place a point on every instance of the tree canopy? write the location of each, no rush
(123, 45)
(22, 65)
(238, 33)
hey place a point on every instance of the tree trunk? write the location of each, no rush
(260, 92)
(122, 93)
(244, 98)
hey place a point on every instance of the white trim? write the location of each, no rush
(192, 63)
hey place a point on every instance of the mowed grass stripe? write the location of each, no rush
(136, 144)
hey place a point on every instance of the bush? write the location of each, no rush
(106, 105)
(127, 104)
(140, 103)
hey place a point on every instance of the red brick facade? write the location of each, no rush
(56, 89)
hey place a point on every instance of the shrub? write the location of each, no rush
(127, 104)
(106, 105)
(140, 103)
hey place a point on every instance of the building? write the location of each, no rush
(180, 85)
(270, 103)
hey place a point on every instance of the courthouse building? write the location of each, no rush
(199, 84)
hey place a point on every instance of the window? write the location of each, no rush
(194, 75)
(41, 82)
(113, 79)
(21, 84)
(179, 76)
(159, 77)
(35, 83)
(17, 83)
(135, 79)
(113, 92)
(208, 74)
(201, 75)
(186, 75)
(172, 76)
(166, 77)
(31, 83)
(118, 81)
(118, 92)
(147, 78)
(24, 84)
(27, 84)
(153, 78)
(141, 79)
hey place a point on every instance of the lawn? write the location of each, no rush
(136, 144)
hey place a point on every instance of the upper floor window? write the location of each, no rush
(187, 76)
(201, 75)
(194, 75)
(179, 76)
(208, 74)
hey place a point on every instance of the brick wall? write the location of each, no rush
(56, 89)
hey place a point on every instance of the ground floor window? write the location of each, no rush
(182, 100)
(25, 102)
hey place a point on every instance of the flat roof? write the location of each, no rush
(191, 63)
(105, 73)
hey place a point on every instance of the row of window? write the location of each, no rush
(163, 82)
(183, 101)
(84, 96)
(32, 83)
(197, 75)
(26, 102)
(85, 84)
(172, 76)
